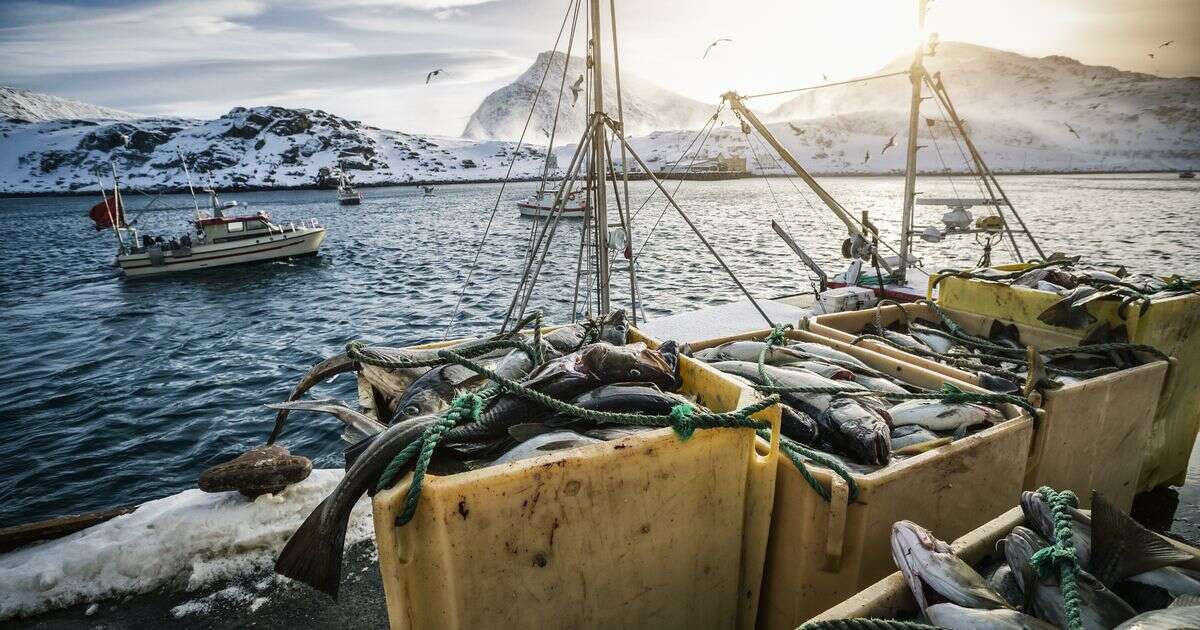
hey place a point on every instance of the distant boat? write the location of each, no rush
(541, 203)
(1187, 175)
(347, 195)
(428, 190)
(711, 169)
(217, 241)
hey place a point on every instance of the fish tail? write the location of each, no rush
(312, 558)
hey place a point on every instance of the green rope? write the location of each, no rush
(948, 393)
(1060, 556)
(864, 623)
(354, 350)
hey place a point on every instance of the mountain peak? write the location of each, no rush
(34, 107)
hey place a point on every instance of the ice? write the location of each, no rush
(188, 540)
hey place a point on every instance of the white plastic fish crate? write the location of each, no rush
(1094, 433)
(821, 552)
(645, 530)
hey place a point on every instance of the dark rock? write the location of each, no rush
(257, 471)
(244, 132)
(145, 141)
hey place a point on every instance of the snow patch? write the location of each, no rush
(191, 539)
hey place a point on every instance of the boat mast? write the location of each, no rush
(599, 209)
(916, 75)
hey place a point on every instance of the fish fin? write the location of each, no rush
(1028, 584)
(332, 366)
(1121, 547)
(352, 452)
(1185, 600)
(311, 558)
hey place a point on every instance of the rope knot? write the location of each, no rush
(778, 334)
(466, 408)
(683, 420)
(1049, 560)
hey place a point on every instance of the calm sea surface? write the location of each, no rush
(115, 391)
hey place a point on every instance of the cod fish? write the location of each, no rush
(811, 404)
(857, 430)
(1099, 607)
(931, 337)
(544, 444)
(941, 416)
(644, 398)
(614, 329)
(955, 617)
(1069, 312)
(928, 564)
(1182, 613)
(360, 423)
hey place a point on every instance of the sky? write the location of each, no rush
(367, 59)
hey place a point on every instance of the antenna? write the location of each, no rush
(188, 175)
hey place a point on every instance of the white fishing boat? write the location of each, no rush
(346, 193)
(542, 202)
(217, 240)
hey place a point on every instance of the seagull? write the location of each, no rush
(1150, 55)
(714, 45)
(868, 158)
(824, 77)
(545, 133)
(1167, 43)
(890, 143)
(796, 130)
(931, 122)
(1072, 130)
(1094, 77)
(576, 87)
(432, 74)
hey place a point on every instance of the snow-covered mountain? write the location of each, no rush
(647, 107)
(33, 106)
(257, 147)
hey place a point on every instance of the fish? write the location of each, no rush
(857, 430)
(879, 384)
(909, 434)
(313, 554)
(825, 352)
(955, 617)
(934, 339)
(617, 432)
(613, 330)
(811, 404)
(1122, 548)
(798, 425)
(361, 423)
(644, 398)
(924, 447)
(1067, 312)
(337, 364)
(998, 384)
(1004, 582)
(544, 444)
(434, 390)
(1039, 518)
(828, 370)
(942, 416)
(1172, 617)
(929, 564)
(1099, 607)
(1050, 287)
(749, 351)
(904, 341)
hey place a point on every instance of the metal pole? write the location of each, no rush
(600, 212)
(738, 106)
(695, 229)
(916, 74)
(626, 218)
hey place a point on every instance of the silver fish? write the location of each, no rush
(911, 434)
(826, 352)
(1172, 618)
(927, 562)
(955, 617)
(544, 444)
(360, 423)
(941, 416)
(937, 342)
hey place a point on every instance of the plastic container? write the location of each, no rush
(1094, 433)
(846, 299)
(822, 552)
(1170, 324)
(646, 530)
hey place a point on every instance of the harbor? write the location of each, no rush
(731, 393)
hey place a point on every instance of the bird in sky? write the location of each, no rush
(890, 143)
(1072, 130)
(1166, 43)
(545, 133)
(430, 76)
(930, 122)
(1094, 77)
(824, 77)
(868, 158)
(1150, 55)
(576, 87)
(714, 45)
(796, 130)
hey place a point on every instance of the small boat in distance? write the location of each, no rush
(346, 193)
(541, 203)
(1187, 175)
(428, 190)
(217, 240)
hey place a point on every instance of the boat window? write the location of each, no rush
(236, 226)
(254, 225)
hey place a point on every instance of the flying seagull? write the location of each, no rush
(714, 45)
(796, 130)
(890, 143)
(1167, 43)
(1150, 55)
(1072, 130)
(824, 77)
(576, 87)
(432, 74)
(868, 158)
(930, 122)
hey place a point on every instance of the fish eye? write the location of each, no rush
(635, 372)
(412, 410)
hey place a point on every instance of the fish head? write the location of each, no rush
(911, 546)
(420, 403)
(634, 362)
(614, 328)
(935, 574)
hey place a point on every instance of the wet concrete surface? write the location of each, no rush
(360, 605)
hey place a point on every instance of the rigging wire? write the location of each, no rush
(508, 173)
(666, 206)
(673, 167)
(825, 85)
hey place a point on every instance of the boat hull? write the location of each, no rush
(350, 201)
(302, 242)
(531, 210)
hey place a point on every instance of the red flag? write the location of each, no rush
(105, 212)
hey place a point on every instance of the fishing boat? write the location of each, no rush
(347, 195)
(216, 240)
(543, 202)
(1187, 175)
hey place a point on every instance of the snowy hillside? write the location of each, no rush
(32, 106)
(258, 147)
(647, 107)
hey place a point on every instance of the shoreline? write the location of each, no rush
(496, 180)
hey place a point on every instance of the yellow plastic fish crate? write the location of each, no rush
(821, 552)
(891, 598)
(1170, 324)
(1093, 434)
(645, 530)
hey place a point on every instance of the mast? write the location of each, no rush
(600, 208)
(916, 75)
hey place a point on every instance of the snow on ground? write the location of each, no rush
(32, 106)
(186, 541)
